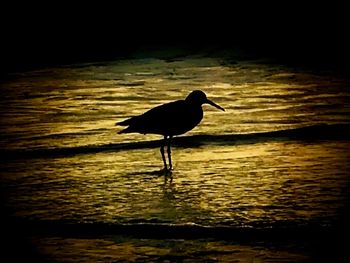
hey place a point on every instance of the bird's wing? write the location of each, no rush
(162, 114)
(155, 119)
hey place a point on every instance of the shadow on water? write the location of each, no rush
(316, 132)
(158, 173)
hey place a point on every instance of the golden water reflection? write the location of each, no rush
(146, 250)
(78, 105)
(237, 184)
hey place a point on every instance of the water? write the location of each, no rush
(276, 159)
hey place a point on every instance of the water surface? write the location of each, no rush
(65, 162)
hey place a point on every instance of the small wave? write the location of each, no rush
(316, 132)
(283, 232)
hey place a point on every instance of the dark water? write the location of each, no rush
(264, 181)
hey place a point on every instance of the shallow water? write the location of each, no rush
(210, 185)
(65, 161)
(136, 250)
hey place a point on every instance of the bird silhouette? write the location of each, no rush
(170, 119)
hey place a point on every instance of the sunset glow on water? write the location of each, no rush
(65, 160)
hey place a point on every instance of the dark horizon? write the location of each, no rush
(297, 36)
(45, 53)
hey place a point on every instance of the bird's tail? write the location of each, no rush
(127, 130)
(122, 123)
(128, 122)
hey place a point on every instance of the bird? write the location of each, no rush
(169, 120)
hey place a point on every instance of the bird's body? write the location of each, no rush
(170, 119)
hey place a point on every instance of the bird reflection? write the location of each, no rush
(168, 188)
(169, 120)
(163, 172)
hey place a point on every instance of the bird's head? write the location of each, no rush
(199, 97)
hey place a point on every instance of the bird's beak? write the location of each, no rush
(215, 105)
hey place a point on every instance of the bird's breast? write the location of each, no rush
(186, 121)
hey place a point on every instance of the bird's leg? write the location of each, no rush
(162, 152)
(169, 153)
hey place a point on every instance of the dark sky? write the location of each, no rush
(35, 36)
